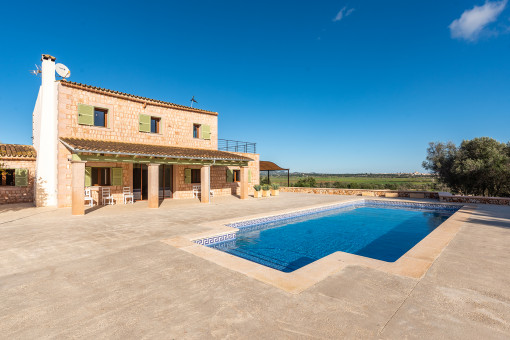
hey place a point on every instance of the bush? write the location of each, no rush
(266, 187)
(309, 182)
(257, 187)
(275, 186)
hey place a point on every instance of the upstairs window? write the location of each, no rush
(196, 130)
(93, 116)
(155, 124)
(100, 117)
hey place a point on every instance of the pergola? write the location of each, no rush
(270, 166)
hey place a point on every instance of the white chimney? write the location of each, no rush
(45, 135)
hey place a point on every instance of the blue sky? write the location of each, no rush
(325, 86)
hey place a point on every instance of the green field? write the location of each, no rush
(362, 182)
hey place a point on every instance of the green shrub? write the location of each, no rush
(266, 187)
(275, 186)
(307, 182)
(257, 187)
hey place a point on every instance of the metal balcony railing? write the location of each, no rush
(236, 146)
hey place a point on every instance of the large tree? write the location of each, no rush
(477, 167)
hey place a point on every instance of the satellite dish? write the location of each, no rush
(62, 70)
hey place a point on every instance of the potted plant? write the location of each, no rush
(274, 189)
(265, 190)
(257, 193)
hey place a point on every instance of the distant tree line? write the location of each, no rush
(312, 183)
(480, 166)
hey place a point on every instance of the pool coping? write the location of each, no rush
(413, 264)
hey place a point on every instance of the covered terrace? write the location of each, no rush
(85, 152)
(270, 166)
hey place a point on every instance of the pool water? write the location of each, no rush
(382, 233)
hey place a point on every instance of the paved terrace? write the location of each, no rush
(107, 275)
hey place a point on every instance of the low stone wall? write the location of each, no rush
(363, 192)
(475, 199)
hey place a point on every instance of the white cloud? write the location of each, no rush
(343, 13)
(472, 22)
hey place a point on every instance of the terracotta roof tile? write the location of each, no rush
(132, 96)
(107, 147)
(17, 151)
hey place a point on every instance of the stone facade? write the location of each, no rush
(176, 129)
(15, 194)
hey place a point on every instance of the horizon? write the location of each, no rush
(332, 88)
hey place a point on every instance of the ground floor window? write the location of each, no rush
(195, 175)
(237, 175)
(101, 176)
(7, 177)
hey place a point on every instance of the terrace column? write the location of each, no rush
(205, 183)
(153, 185)
(244, 182)
(78, 184)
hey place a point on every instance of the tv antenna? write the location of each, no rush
(193, 101)
(62, 70)
(37, 70)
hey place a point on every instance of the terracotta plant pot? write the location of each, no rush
(266, 193)
(275, 192)
(257, 194)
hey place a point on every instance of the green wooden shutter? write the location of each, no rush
(144, 123)
(85, 114)
(21, 177)
(249, 175)
(187, 175)
(117, 176)
(206, 131)
(88, 176)
(230, 176)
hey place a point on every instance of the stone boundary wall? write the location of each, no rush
(475, 199)
(363, 192)
(441, 196)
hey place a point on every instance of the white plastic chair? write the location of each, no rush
(106, 195)
(88, 197)
(197, 190)
(128, 195)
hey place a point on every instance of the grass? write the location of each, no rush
(364, 182)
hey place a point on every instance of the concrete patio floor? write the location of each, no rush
(108, 275)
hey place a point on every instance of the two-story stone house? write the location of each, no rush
(91, 137)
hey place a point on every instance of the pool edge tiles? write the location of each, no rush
(413, 264)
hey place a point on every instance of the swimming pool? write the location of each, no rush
(382, 231)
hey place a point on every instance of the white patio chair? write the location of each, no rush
(197, 190)
(88, 197)
(128, 195)
(106, 195)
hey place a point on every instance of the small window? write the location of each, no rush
(155, 124)
(100, 117)
(237, 175)
(196, 130)
(101, 177)
(7, 177)
(195, 175)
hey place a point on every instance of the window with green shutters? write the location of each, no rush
(85, 114)
(88, 176)
(187, 175)
(230, 176)
(21, 177)
(144, 124)
(117, 176)
(206, 131)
